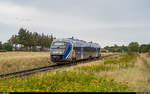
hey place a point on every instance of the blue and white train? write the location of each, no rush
(70, 50)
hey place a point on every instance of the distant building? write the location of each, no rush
(46, 49)
(20, 47)
(104, 50)
(17, 47)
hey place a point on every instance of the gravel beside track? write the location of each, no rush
(42, 69)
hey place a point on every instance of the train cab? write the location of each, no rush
(59, 50)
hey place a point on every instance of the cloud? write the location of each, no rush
(104, 21)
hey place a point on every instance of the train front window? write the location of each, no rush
(59, 45)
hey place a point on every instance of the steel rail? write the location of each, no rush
(41, 69)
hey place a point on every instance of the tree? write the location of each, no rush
(7, 46)
(14, 41)
(34, 41)
(0, 45)
(133, 47)
(22, 36)
(144, 48)
(42, 41)
(29, 41)
(124, 48)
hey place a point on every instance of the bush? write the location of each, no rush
(3, 50)
(0, 45)
(144, 48)
(133, 47)
(7, 46)
(131, 53)
(123, 60)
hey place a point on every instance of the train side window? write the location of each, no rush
(74, 48)
(84, 49)
(79, 48)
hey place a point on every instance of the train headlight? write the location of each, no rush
(57, 52)
(60, 52)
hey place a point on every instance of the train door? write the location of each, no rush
(77, 52)
(82, 53)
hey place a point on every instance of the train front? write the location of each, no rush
(59, 51)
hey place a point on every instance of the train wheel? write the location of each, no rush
(90, 57)
(73, 60)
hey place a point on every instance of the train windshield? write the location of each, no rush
(59, 44)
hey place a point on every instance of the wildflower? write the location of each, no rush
(36, 90)
(111, 79)
(99, 84)
(47, 89)
(44, 86)
(39, 83)
(105, 89)
(94, 81)
(28, 90)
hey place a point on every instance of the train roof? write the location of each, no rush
(79, 43)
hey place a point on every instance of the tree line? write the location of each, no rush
(144, 48)
(116, 48)
(29, 41)
(32, 41)
(132, 47)
(5, 47)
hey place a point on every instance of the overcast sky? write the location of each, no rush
(106, 22)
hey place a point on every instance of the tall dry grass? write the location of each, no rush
(17, 61)
(136, 74)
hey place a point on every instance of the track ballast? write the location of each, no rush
(41, 69)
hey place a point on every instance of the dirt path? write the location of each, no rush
(138, 76)
(142, 79)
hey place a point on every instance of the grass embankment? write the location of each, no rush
(17, 61)
(136, 73)
(80, 78)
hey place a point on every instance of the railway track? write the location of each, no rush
(42, 69)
